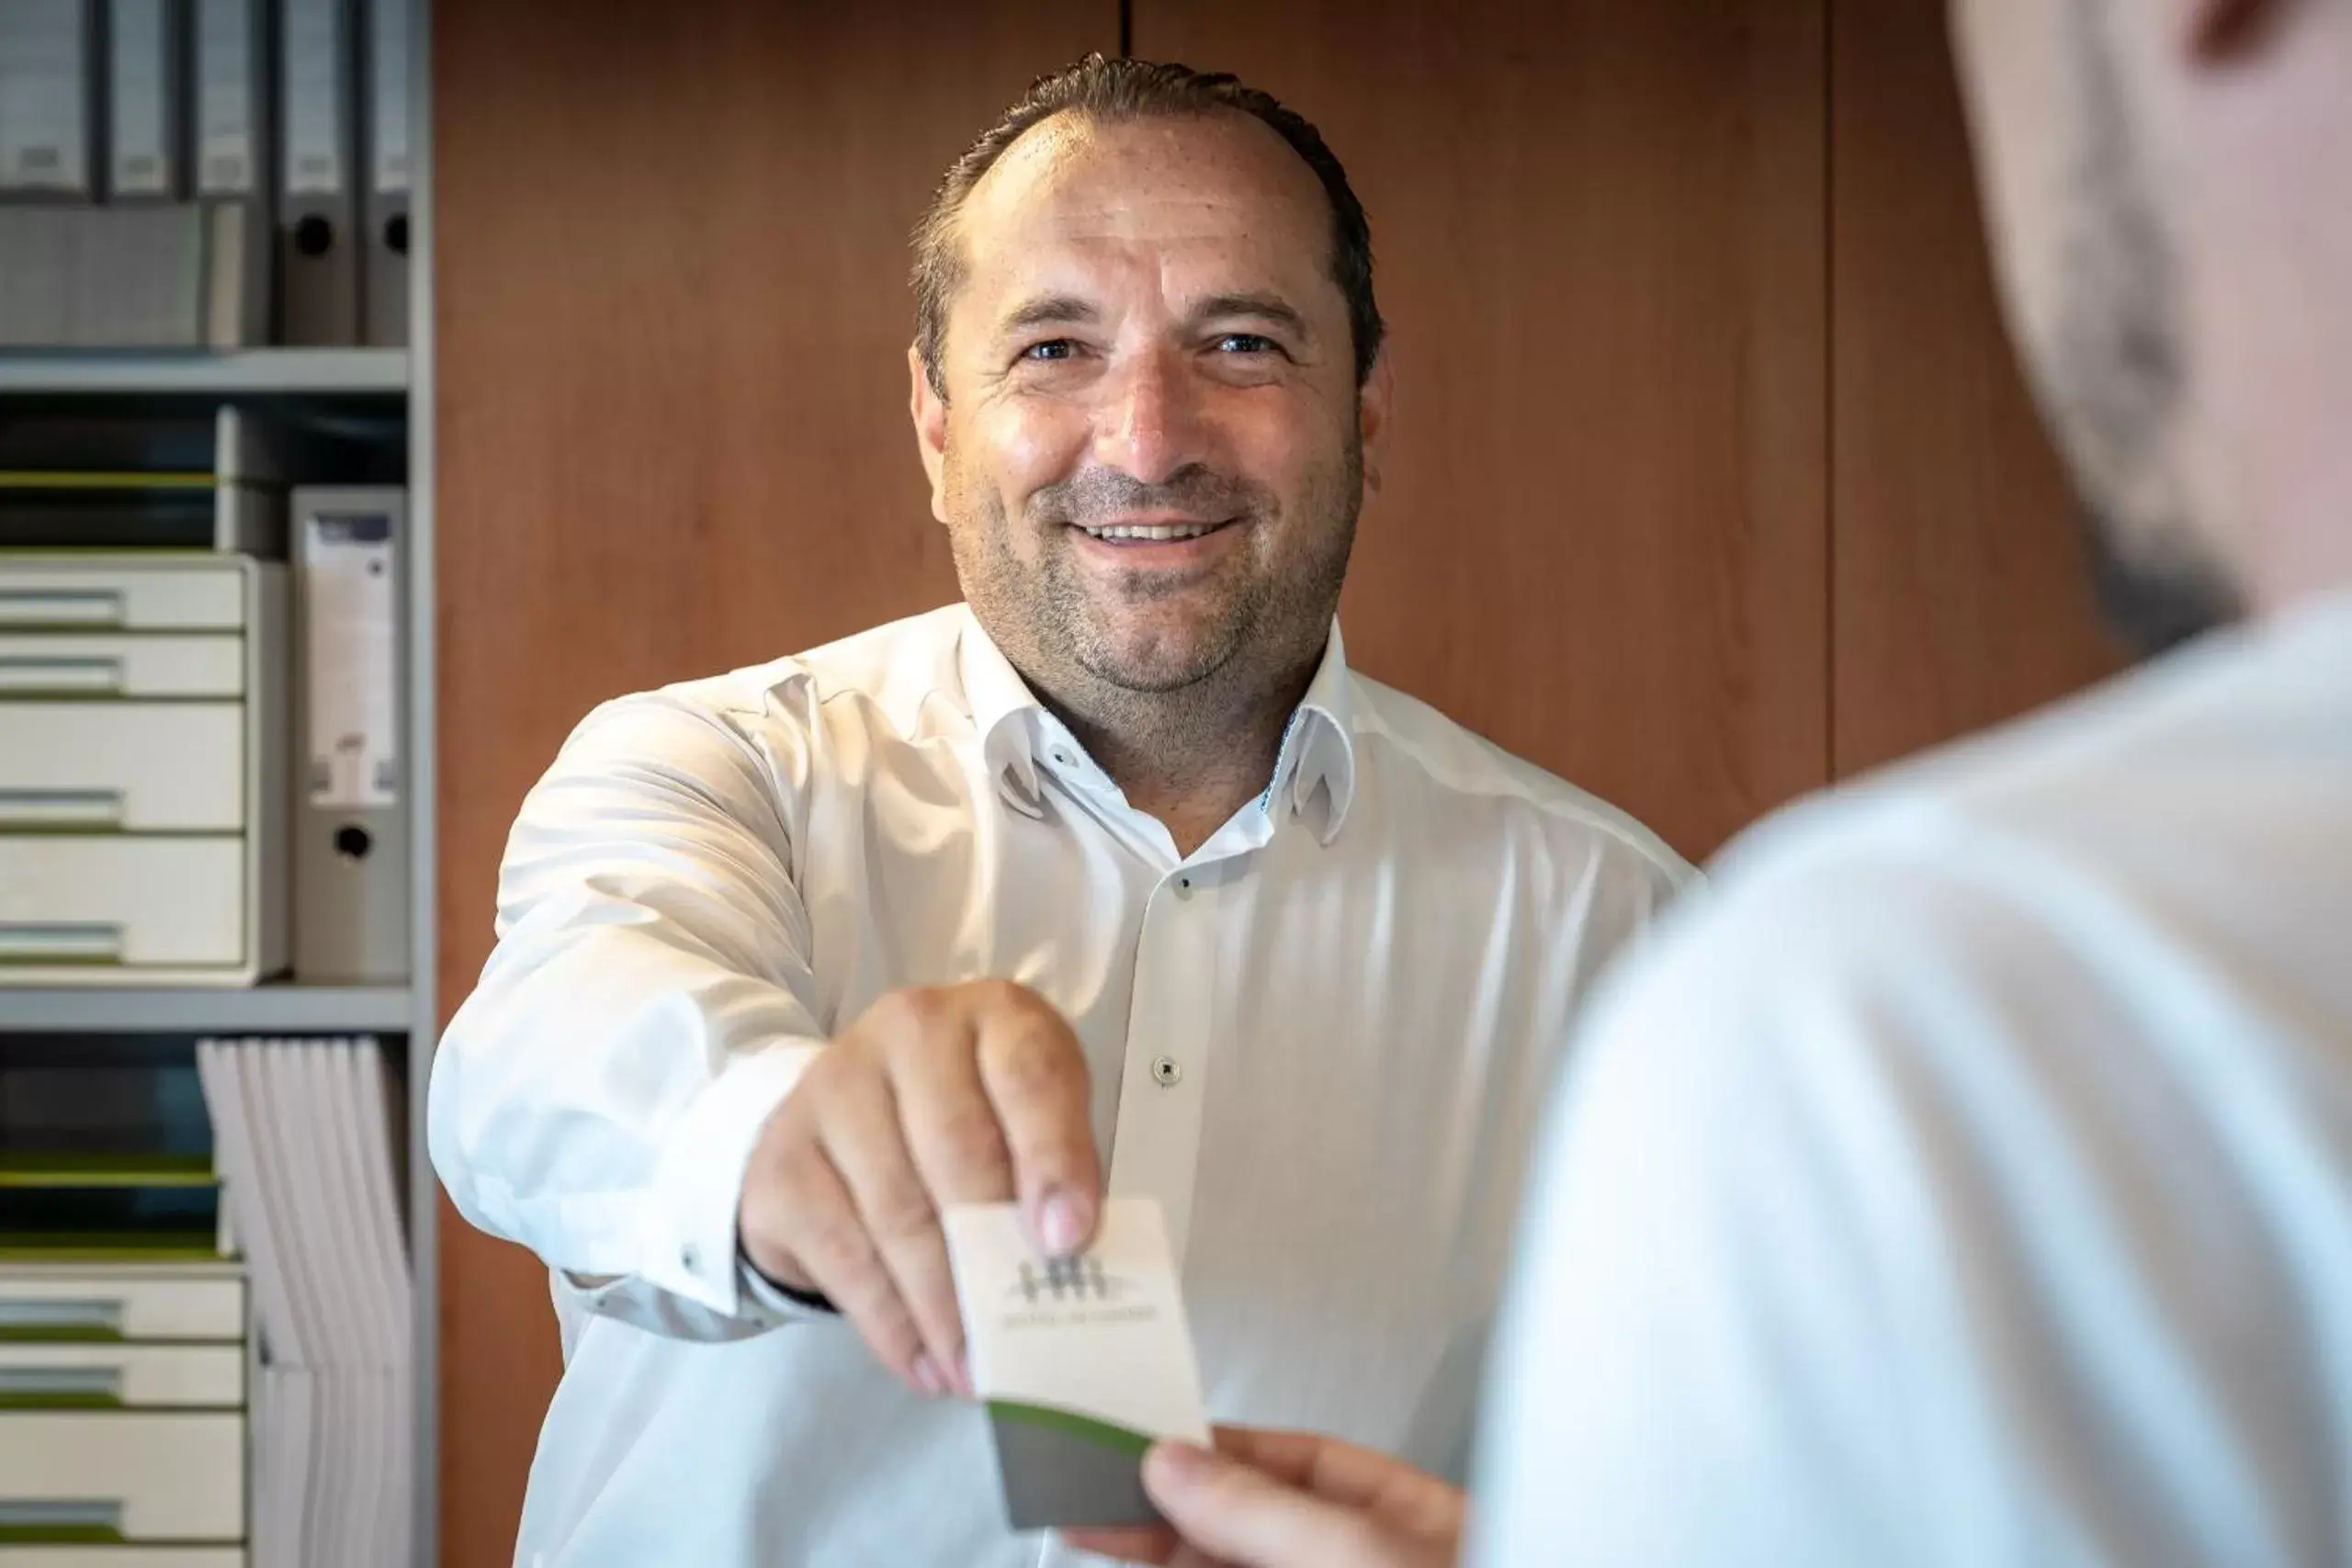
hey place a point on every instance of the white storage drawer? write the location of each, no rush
(134, 1377)
(114, 665)
(97, 903)
(123, 766)
(69, 594)
(122, 1556)
(122, 1302)
(166, 1476)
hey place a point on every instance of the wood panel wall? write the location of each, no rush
(671, 410)
(1960, 593)
(1597, 233)
(1712, 479)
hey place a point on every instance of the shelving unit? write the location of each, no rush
(367, 393)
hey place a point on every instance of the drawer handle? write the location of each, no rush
(60, 1519)
(60, 1317)
(61, 808)
(54, 1386)
(63, 607)
(44, 675)
(60, 941)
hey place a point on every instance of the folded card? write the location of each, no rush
(1082, 1362)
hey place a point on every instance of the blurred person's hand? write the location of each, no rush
(961, 1094)
(1269, 1499)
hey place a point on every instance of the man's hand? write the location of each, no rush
(964, 1094)
(1288, 1500)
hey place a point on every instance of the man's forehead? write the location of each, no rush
(1162, 178)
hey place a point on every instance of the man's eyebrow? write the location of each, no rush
(1047, 310)
(1268, 308)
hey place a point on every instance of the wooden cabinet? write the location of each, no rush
(1598, 237)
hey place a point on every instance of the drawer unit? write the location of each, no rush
(52, 1302)
(122, 1376)
(126, 767)
(118, 1474)
(97, 905)
(144, 802)
(115, 664)
(74, 593)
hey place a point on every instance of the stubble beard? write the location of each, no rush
(2113, 373)
(1265, 626)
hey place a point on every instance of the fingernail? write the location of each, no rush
(964, 1384)
(927, 1375)
(1060, 1224)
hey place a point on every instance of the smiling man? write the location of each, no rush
(1115, 877)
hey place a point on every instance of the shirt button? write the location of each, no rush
(1063, 758)
(1183, 887)
(691, 1255)
(1165, 1072)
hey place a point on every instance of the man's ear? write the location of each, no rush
(1374, 404)
(2222, 31)
(929, 411)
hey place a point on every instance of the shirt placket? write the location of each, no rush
(1156, 1147)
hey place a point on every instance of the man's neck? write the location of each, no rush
(1192, 758)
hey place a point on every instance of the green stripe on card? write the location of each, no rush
(1107, 1434)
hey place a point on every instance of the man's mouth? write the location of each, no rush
(1147, 533)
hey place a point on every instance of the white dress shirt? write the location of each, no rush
(1968, 1180)
(1320, 1042)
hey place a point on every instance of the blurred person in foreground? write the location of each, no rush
(1971, 1181)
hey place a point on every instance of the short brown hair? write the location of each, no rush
(1117, 90)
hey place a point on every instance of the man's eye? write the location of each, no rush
(1055, 348)
(1245, 343)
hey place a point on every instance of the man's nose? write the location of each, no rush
(1151, 427)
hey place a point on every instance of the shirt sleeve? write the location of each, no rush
(648, 1003)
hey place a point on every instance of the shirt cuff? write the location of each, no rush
(689, 1246)
(776, 1303)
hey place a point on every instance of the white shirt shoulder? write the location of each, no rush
(1454, 759)
(1957, 1182)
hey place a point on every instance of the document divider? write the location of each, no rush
(306, 1149)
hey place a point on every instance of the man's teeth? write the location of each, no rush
(1159, 533)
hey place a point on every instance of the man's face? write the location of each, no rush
(1152, 450)
(2089, 273)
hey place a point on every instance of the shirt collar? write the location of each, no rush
(1004, 716)
(1315, 773)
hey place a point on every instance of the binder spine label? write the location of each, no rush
(315, 90)
(140, 153)
(388, 96)
(44, 96)
(353, 708)
(226, 157)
